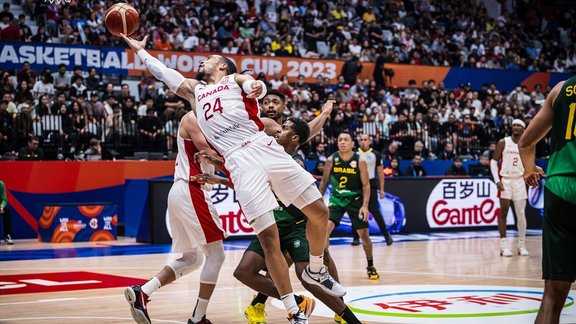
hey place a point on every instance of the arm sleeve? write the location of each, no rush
(494, 170)
(171, 77)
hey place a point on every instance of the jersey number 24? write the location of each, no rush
(210, 109)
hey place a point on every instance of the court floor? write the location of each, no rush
(424, 278)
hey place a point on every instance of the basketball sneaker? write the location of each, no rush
(9, 240)
(297, 318)
(256, 314)
(307, 305)
(504, 249)
(389, 239)
(522, 249)
(355, 242)
(372, 273)
(138, 301)
(202, 321)
(339, 319)
(323, 280)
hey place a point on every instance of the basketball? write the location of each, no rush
(121, 18)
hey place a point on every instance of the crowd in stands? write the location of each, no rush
(65, 110)
(71, 111)
(533, 35)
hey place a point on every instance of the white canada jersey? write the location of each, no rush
(225, 115)
(186, 166)
(511, 164)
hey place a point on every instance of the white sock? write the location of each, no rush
(290, 303)
(151, 286)
(316, 262)
(200, 309)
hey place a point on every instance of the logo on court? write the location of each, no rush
(446, 304)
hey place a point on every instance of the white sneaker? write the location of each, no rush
(9, 240)
(323, 280)
(504, 249)
(297, 318)
(522, 249)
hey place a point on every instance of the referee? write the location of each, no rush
(373, 159)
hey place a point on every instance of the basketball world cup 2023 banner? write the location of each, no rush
(122, 61)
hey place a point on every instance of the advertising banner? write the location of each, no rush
(123, 61)
(440, 204)
(78, 223)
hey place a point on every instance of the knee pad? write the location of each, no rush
(214, 259)
(190, 261)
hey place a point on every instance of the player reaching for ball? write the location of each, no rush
(228, 115)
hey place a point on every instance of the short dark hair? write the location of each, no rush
(277, 93)
(348, 133)
(300, 128)
(231, 67)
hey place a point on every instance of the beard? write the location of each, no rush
(202, 76)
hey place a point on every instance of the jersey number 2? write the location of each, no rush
(210, 109)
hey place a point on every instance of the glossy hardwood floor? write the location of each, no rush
(446, 262)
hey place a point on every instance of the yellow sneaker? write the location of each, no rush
(372, 273)
(256, 314)
(307, 305)
(339, 319)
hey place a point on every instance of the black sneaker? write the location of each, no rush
(323, 280)
(389, 239)
(138, 301)
(355, 242)
(202, 321)
(372, 273)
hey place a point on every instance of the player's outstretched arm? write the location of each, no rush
(317, 123)
(326, 176)
(174, 80)
(536, 130)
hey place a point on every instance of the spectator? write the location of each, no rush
(61, 79)
(150, 129)
(96, 152)
(456, 169)
(319, 153)
(393, 170)
(482, 168)
(23, 125)
(31, 152)
(93, 80)
(44, 87)
(350, 70)
(447, 153)
(78, 88)
(5, 214)
(415, 169)
(318, 171)
(392, 152)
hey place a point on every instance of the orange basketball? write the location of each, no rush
(121, 18)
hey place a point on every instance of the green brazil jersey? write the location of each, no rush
(345, 180)
(288, 216)
(563, 133)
